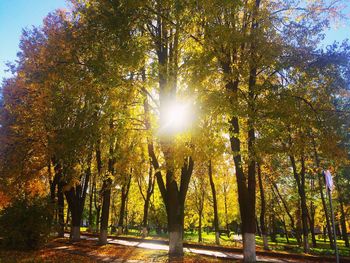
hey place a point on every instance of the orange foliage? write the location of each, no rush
(4, 200)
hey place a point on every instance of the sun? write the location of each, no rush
(176, 117)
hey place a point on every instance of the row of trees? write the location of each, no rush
(86, 113)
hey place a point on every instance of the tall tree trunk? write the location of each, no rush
(312, 225)
(175, 213)
(226, 210)
(146, 199)
(200, 197)
(91, 195)
(76, 199)
(262, 211)
(58, 181)
(324, 204)
(106, 190)
(258, 230)
(325, 210)
(60, 201)
(300, 180)
(97, 207)
(286, 208)
(273, 227)
(285, 229)
(311, 215)
(68, 217)
(99, 171)
(166, 42)
(174, 200)
(98, 218)
(246, 183)
(343, 222)
(200, 226)
(124, 196)
(215, 205)
(106, 199)
(75, 215)
(126, 216)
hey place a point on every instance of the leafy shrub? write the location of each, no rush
(26, 224)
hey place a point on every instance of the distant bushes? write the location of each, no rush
(26, 224)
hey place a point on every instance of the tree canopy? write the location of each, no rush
(182, 115)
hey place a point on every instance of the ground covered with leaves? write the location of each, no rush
(62, 251)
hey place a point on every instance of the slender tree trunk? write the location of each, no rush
(325, 210)
(60, 201)
(98, 217)
(300, 180)
(262, 211)
(97, 207)
(145, 217)
(215, 205)
(226, 211)
(99, 170)
(147, 199)
(273, 227)
(312, 225)
(324, 204)
(57, 181)
(68, 217)
(299, 225)
(91, 195)
(286, 208)
(285, 229)
(311, 215)
(200, 227)
(343, 223)
(124, 196)
(106, 191)
(246, 183)
(258, 230)
(121, 215)
(126, 216)
(106, 199)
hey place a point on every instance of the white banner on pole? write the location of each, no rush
(329, 179)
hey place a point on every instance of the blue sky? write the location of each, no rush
(18, 14)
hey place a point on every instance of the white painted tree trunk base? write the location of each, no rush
(102, 240)
(75, 233)
(249, 254)
(265, 242)
(175, 244)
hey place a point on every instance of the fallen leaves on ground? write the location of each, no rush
(63, 251)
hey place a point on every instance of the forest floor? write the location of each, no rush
(235, 241)
(61, 250)
(280, 244)
(223, 253)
